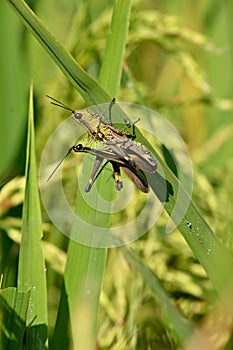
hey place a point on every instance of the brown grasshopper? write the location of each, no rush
(116, 146)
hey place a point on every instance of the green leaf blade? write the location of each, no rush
(84, 83)
(13, 309)
(110, 74)
(89, 262)
(31, 274)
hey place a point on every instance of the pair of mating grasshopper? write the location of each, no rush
(116, 146)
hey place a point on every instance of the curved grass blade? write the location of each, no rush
(212, 255)
(87, 86)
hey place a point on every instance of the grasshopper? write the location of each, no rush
(116, 146)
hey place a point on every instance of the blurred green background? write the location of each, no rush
(178, 61)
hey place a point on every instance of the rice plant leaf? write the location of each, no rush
(87, 86)
(111, 70)
(212, 255)
(13, 308)
(12, 92)
(31, 273)
(82, 292)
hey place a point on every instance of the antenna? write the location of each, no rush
(57, 166)
(59, 103)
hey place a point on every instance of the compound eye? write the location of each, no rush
(77, 115)
(78, 147)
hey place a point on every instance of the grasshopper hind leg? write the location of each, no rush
(97, 164)
(117, 176)
(95, 174)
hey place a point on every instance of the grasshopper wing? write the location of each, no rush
(137, 177)
(135, 155)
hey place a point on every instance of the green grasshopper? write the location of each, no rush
(116, 146)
